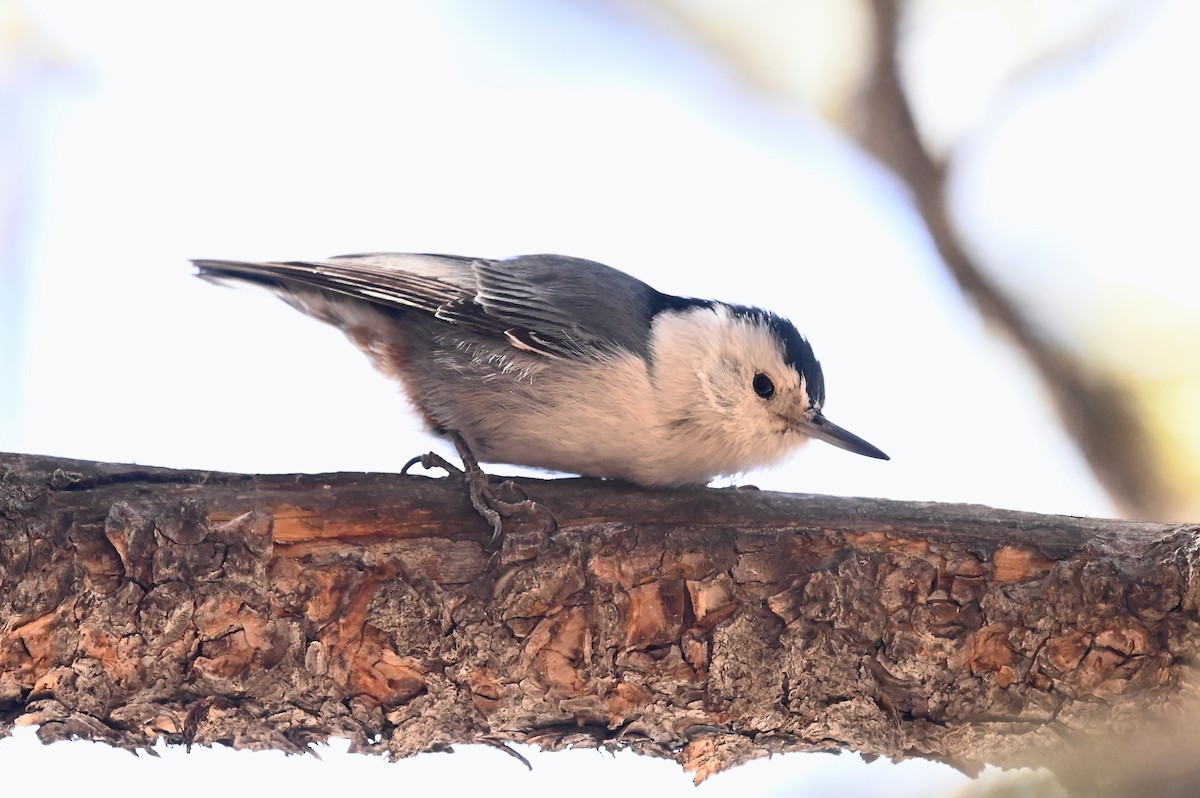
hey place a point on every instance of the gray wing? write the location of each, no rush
(546, 304)
(561, 306)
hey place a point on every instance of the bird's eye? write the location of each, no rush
(763, 385)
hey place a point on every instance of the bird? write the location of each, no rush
(568, 365)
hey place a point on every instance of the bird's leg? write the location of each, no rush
(484, 498)
(479, 488)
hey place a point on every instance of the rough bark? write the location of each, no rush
(706, 626)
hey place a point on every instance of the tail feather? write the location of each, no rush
(222, 272)
(361, 281)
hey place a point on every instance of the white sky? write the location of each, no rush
(294, 129)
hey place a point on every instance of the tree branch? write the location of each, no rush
(1098, 413)
(707, 626)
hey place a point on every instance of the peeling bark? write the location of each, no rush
(707, 626)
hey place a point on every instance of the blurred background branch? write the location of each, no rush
(1095, 408)
(853, 57)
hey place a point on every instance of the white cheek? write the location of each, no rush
(724, 388)
(704, 367)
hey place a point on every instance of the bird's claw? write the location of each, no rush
(432, 460)
(484, 497)
(504, 508)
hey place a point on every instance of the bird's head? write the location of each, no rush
(760, 387)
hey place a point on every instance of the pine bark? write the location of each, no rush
(707, 626)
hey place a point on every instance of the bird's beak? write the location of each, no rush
(817, 426)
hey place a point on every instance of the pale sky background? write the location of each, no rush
(155, 132)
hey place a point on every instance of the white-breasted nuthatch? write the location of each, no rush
(570, 365)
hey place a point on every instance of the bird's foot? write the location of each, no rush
(485, 497)
(432, 460)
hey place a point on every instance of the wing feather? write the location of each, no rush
(550, 305)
